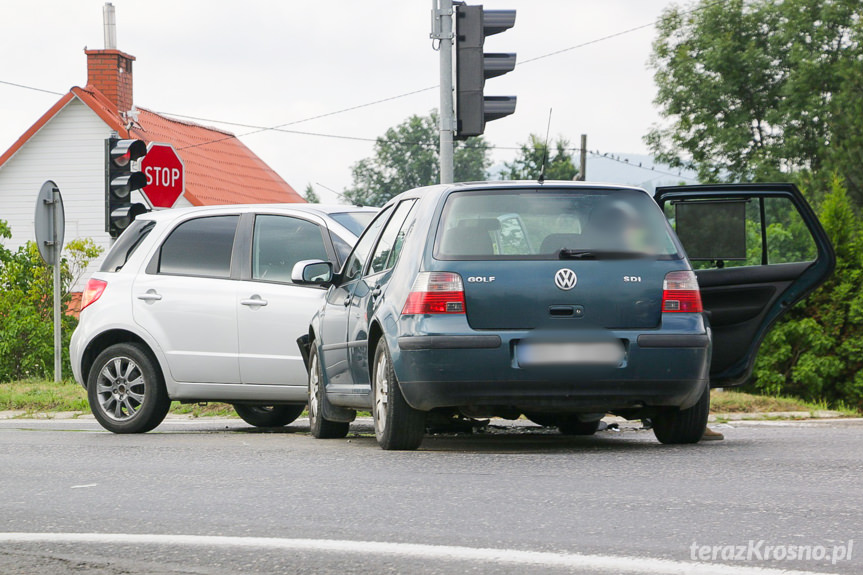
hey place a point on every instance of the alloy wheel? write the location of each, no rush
(121, 388)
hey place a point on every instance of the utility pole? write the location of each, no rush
(442, 31)
(582, 170)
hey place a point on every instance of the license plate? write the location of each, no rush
(570, 353)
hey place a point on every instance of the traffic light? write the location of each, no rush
(473, 67)
(120, 182)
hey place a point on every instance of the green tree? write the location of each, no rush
(26, 306)
(406, 157)
(310, 195)
(816, 352)
(755, 89)
(528, 164)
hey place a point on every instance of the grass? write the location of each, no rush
(739, 402)
(38, 396)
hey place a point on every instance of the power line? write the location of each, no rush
(617, 34)
(31, 88)
(626, 161)
(429, 88)
(278, 127)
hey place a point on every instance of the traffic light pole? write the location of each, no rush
(442, 30)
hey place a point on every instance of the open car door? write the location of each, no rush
(757, 249)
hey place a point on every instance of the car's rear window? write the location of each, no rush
(552, 224)
(126, 245)
(355, 222)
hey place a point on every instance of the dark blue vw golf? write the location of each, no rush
(559, 301)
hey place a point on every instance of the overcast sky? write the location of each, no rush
(265, 63)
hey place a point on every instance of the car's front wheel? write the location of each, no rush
(321, 427)
(398, 426)
(676, 426)
(126, 391)
(268, 415)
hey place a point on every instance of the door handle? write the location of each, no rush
(376, 292)
(150, 295)
(347, 301)
(254, 301)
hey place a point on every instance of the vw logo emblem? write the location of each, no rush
(565, 279)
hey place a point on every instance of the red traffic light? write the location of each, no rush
(126, 151)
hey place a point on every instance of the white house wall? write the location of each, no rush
(70, 150)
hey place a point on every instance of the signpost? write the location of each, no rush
(50, 220)
(166, 177)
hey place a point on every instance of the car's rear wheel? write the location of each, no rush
(676, 426)
(398, 426)
(321, 427)
(268, 415)
(126, 391)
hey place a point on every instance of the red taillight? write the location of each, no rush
(680, 293)
(434, 293)
(92, 292)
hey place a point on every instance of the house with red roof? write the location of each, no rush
(67, 145)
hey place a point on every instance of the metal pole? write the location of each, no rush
(447, 121)
(582, 171)
(58, 248)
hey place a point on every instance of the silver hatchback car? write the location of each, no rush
(197, 304)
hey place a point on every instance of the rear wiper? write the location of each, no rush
(571, 254)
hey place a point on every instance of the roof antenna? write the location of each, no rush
(545, 151)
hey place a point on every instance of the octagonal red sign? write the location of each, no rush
(166, 179)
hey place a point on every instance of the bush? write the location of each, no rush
(26, 306)
(816, 351)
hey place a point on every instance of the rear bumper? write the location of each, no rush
(582, 396)
(661, 369)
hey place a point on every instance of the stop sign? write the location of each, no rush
(165, 175)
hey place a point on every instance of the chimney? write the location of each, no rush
(109, 70)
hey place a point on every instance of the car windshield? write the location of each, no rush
(355, 222)
(552, 224)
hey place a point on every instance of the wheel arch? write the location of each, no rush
(376, 333)
(105, 340)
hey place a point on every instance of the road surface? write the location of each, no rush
(215, 496)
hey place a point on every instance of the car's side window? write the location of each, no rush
(200, 247)
(354, 266)
(392, 239)
(718, 233)
(279, 242)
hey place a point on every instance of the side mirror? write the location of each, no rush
(314, 272)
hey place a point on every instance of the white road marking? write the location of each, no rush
(84, 486)
(605, 563)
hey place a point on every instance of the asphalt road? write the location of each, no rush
(217, 497)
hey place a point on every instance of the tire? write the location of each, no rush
(268, 415)
(571, 425)
(321, 428)
(398, 426)
(126, 390)
(680, 426)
